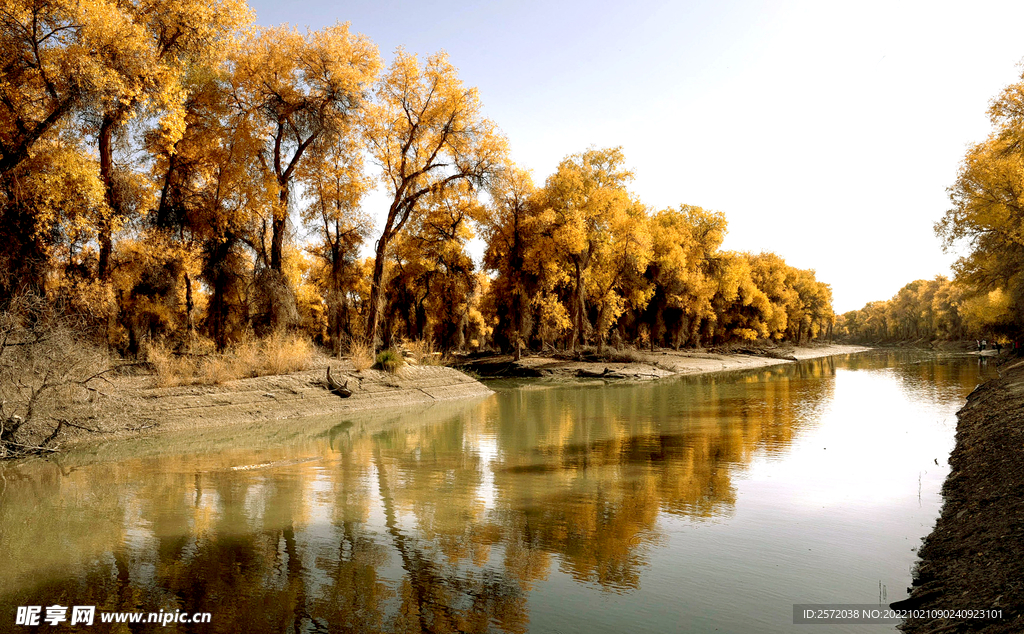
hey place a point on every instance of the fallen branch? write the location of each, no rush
(83, 427)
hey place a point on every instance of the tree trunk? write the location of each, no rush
(278, 227)
(335, 304)
(376, 296)
(517, 319)
(106, 152)
(220, 280)
(579, 308)
(189, 307)
(421, 319)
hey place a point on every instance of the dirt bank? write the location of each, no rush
(974, 558)
(140, 409)
(645, 365)
(135, 408)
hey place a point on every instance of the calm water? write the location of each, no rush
(704, 504)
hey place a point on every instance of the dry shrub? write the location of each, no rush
(274, 303)
(361, 354)
(422, 353)
(51, 375)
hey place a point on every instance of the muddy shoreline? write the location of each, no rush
(636, 365)
(974, 557)
(140, 410)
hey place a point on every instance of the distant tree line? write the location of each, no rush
(924, 310)
(986, 221)
(168, 171)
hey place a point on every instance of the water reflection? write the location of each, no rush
(444, 520)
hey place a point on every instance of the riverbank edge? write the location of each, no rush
(140, 410)
(974, 557)
(646, 365)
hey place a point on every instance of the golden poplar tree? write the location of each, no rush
(512, 232)
(334, 184)
(151, 48)
(587, 195)
(298, 89)
(426, 132)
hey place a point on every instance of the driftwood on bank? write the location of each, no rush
(341, 389)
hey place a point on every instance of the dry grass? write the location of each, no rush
(611, 355)
(422, 353)
(281, 355)
(170, 369)
(219, 369)
(361, 355)
(626, 355)
(276, 354)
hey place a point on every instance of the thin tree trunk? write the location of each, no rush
(189, 307)
(335, 305)
(376, 297)
(278, 227)
(106, 152)
(578, 308)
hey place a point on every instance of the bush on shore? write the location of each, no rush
(51, 376)
(390, 360)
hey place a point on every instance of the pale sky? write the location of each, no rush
(827, 132)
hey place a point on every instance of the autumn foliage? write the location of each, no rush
(172, 174)
(985, 220)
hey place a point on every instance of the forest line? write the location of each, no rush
(172, 174)
(985, 221)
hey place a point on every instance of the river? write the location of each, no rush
(711, 503)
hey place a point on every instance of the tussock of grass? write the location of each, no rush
(219, 369)
(276, 354)
(390, 361)
(282, 355)
(170, 369)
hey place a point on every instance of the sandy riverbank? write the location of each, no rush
(974, 558)
(138, 409)
(647, 365)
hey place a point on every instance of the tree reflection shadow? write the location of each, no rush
(439, 523)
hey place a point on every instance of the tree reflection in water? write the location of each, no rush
(439, 521)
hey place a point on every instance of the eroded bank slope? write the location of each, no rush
(974, 558)
(144, 409)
